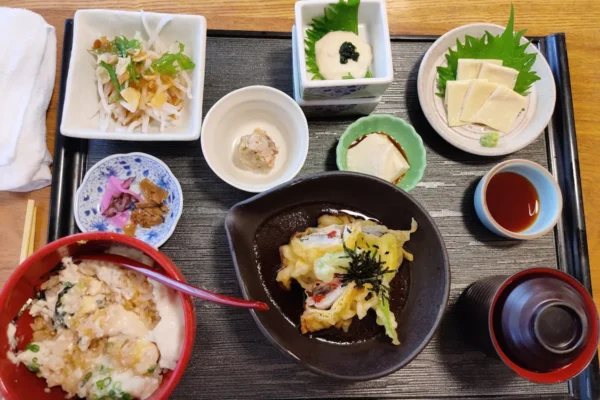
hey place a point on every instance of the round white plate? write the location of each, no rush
(529, 124)
(88, 214)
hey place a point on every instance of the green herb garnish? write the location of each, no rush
(506, 47)
(133, 74)
(85, 380)
(113, 77)
(489, 139)
(366, 267)
(33, 368)
(101, 384)
(59, 319)
(151, 370)
(341, 16)
(32, 347)
(387, 318)
(165, 65)
(121, 44)
(349, 76)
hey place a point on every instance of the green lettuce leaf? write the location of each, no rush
(342, 16)
(165, 65)
(506, 47)
(387, 319)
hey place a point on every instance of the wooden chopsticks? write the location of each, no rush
(28, 240)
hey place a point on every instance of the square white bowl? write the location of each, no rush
(372, 28)
(80, 118)
(331, 107)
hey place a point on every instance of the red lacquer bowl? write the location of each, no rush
(17, 383)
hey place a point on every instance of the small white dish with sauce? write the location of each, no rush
(238, 114)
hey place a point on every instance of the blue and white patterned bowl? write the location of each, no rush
(89, 195)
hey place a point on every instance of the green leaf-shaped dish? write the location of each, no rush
(401, 131)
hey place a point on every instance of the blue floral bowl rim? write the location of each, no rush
(134, 154)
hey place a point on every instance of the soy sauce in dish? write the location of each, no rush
(512, 200)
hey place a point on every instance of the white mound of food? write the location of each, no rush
(257, 151)
(330, 62)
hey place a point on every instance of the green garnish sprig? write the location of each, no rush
(506, 47)
(165, 65)
(366, 267)
(113, 79)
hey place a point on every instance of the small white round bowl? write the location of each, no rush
(88, 215)
(238, 114)
(529, 124)
(549, 193)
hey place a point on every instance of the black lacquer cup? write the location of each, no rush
(540, 322)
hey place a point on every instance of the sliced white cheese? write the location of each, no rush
(455, 95)
(478, 92)
(468, 68)
(501, 109)
(499, 74)
(376, 155)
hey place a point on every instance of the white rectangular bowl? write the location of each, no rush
(372, 28)
(331, 107)
(80, 118)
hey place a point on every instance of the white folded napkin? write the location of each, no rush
(27, 73)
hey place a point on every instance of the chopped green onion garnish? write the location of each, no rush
(33, 347)
(33, 368)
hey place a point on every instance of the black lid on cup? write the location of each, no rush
(541, 323)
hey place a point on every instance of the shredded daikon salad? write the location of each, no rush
(141, 83)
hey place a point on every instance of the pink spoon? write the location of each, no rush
(172, 283)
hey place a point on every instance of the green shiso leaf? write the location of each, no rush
(506, 47)
(342, 16)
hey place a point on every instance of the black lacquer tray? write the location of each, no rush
(231, 358)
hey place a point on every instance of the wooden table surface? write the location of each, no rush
(579, 19)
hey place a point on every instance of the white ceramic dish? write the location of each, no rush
(238, 114)
(88, 214)
(336, 107)
(530, 123)
(549, 193)
(80, 118)
(372, 28)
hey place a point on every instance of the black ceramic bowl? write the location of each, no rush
(258, 226)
